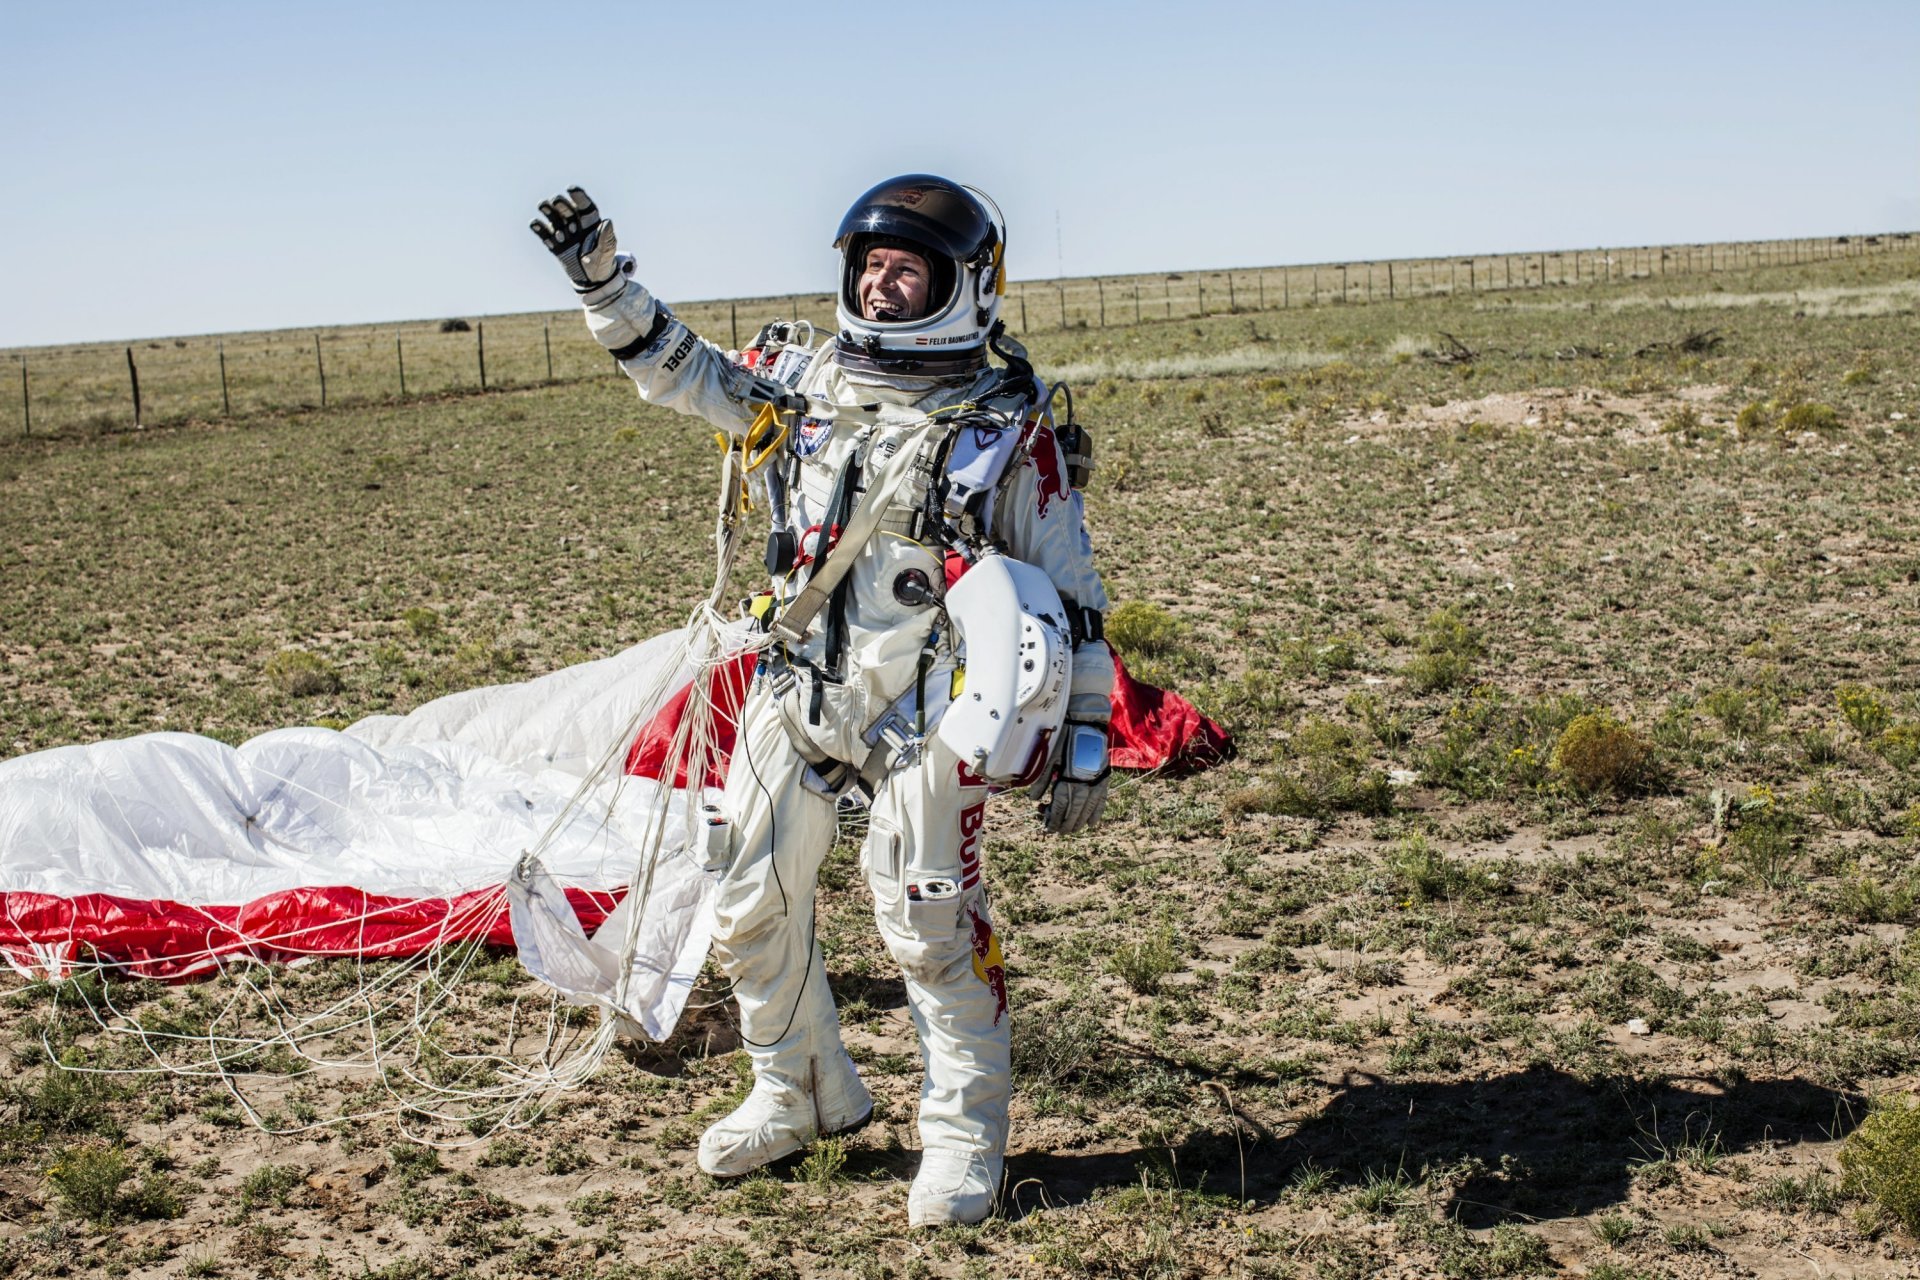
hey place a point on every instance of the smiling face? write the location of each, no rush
(894, 285)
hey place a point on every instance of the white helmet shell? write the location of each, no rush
(1019, 658)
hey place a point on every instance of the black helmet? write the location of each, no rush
(952, 228)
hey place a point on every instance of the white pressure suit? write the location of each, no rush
(819, 706)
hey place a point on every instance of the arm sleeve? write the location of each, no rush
(672, 365)
(1043, 522)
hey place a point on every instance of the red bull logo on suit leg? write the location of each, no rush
(987, 964)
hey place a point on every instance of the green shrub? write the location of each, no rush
(269, 1184)
(1325, 773)
(1447, 648)
(1142, 965)
(300, 674)
(1864, 709)
(1425, 874)
(1881, 1160)
(1899, 746)
(1684, 421)
(87, 1178)
(1809, 416)
(422, 621)
(824, 1162)
(1598, 753)
(1144, 628)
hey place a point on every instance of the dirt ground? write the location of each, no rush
(1553, 916)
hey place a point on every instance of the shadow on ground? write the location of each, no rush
(1537, 1143)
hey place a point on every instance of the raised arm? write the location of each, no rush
(673, 366)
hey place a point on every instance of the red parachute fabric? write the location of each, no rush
(154, 938)
(1154, 728)
(726, 691)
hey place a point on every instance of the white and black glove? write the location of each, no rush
(1078, 779)
(576, 234)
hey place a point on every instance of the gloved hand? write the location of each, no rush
(1078, 779)
(575, 233)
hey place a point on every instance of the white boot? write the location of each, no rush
(968, 1083)
(953, 1186)
(804, 1085)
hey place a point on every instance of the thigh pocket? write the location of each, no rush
(919, 902)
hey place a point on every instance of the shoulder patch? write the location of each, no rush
(812, 436)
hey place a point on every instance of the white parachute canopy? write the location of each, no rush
(169, 854)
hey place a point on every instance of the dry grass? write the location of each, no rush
(1258, 1029)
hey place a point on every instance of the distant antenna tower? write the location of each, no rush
(1059, 253)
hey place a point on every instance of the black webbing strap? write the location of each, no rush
(661, 319)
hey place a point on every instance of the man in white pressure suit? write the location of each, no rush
(933, 587)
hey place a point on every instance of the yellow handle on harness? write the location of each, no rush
(760, 442)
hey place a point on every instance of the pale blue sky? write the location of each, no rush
(197, 167)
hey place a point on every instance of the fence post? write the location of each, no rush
(1167, 286)
(1203, 296)
(400, 357)
(1286, 291)
(133, 376)
(26, 398)
(546, 335)
(226, 405)
(1136, 302)
(733, 321)
(480, 344)
(1062, 291)
(1260, 282)
(1103, 302)
(320, 363)
(1369, 282)
(1024, 328)
(1389, 282)
(1233, 304)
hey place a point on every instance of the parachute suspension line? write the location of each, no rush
(417, 1024)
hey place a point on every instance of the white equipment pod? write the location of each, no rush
(1019, 657)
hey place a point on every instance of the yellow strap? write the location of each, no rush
(756, 446)
(760, 442)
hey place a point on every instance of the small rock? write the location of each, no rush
(1638, 1027)
(354, 1177)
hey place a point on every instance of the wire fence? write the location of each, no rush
(115, 386)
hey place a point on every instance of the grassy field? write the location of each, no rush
(1553, 917)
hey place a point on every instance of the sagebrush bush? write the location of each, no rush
(1598, 753)
(1144, 628)
(87, 1179)
(1881, 1160)
(1822, 419)
(1864, 709)
(300, 674)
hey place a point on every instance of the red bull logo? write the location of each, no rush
(972, 818)
(987, 964)
(1044, 457)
